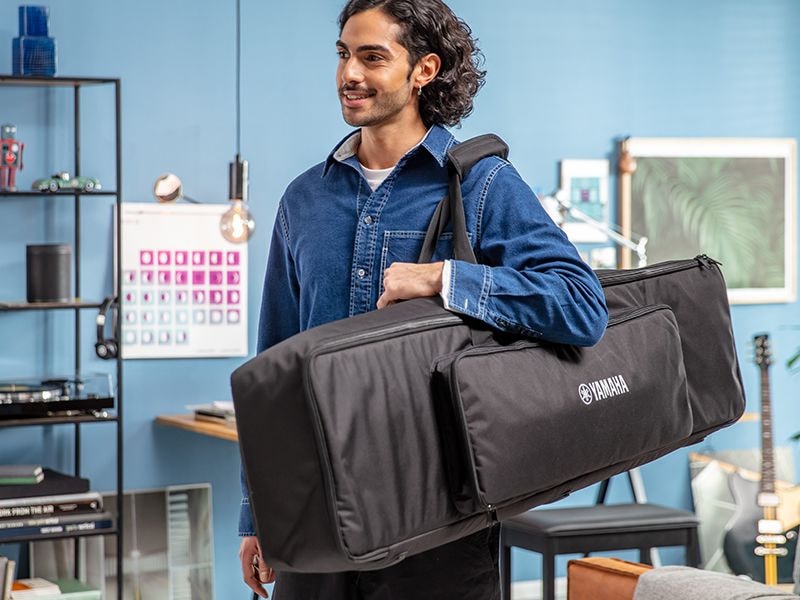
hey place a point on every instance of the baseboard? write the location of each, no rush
(532, 589)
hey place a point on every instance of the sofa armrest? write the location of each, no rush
(598, 578)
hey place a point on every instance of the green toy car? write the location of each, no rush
(63, 181)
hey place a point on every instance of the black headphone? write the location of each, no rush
(107, 348)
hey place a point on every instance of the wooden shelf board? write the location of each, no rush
(189, 423)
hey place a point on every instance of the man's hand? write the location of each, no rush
(254, 570)
(403, 281)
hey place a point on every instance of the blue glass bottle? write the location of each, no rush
(33, 52)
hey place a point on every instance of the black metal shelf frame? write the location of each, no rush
(58, 420)
(67, 193)
(77, 83)
(21, 305)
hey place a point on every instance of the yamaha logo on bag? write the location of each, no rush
(602, 389)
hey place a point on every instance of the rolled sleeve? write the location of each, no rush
(531, 279)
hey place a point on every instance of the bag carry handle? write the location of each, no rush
(461, 158)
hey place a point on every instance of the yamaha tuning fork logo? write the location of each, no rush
(602, 389)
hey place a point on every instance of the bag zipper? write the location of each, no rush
(381, 333)
(609, 278)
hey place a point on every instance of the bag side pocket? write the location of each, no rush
(519, 419)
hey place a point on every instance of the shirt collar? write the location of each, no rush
(437, 142)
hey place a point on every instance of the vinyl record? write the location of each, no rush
(14, 392)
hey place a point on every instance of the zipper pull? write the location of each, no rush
(707, 261)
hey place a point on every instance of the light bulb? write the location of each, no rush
(237, 223)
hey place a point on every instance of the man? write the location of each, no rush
(349, 230)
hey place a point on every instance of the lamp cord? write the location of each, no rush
(238, 76)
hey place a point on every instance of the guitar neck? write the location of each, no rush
(767, 454)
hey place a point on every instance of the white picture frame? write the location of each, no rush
(734, 199)
(584, 183)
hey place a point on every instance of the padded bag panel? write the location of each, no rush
(373, 406)
(695, 291)
(529, 416)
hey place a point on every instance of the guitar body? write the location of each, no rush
(740, 537)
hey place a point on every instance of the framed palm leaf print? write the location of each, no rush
(732, 199)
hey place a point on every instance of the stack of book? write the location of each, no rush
(56, 505)
(215, 412)
(61, 589)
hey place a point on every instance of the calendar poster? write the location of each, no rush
(184, 286)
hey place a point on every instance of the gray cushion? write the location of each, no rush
(685, 583)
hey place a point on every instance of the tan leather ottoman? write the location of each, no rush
(598, 578)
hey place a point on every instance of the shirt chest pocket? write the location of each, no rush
(405, 246)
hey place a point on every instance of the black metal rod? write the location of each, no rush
(77, 240)
(75, 542)
(238, 76)
(117, 280)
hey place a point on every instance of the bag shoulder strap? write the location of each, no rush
(461, 158)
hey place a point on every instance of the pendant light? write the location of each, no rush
(237, 224)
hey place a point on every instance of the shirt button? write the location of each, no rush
(361, 272)
(368, 220)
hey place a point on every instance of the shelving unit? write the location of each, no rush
(79, 305)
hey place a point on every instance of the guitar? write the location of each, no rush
(756, 542)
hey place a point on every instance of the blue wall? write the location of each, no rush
(565, 80)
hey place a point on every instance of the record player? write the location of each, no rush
(55, 396)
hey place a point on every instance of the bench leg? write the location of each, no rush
(548, 576)
(693, 549)
(505, 572)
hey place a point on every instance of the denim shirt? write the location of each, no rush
(334, 236)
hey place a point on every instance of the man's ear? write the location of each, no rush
(426, 70)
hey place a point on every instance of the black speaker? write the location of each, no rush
(107, 348)
(48, 272)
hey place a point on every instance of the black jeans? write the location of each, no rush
(462, 570)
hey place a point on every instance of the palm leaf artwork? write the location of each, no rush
(729, 208)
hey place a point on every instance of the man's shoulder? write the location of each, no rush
(305, 182)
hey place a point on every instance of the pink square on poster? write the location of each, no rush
(199, 297)
(233, 296)
(164, 297)
(198, 277)
(147, 276)
(233, 316)
(181, 296)
(129, 276)
(164, 277)
(181, 336)
(146, 257)
(198, 257)
(181, 277)
(215, 316)
(164, 257)
(216, 296)
(130, 297)
(233, 258)
(215, 258)
(147, 297)
(215, 277)
(233, 277)
(181, 257)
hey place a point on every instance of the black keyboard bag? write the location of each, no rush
(389, 433)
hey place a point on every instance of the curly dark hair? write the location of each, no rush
(430, 26)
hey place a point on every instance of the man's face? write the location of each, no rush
(373, 74)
